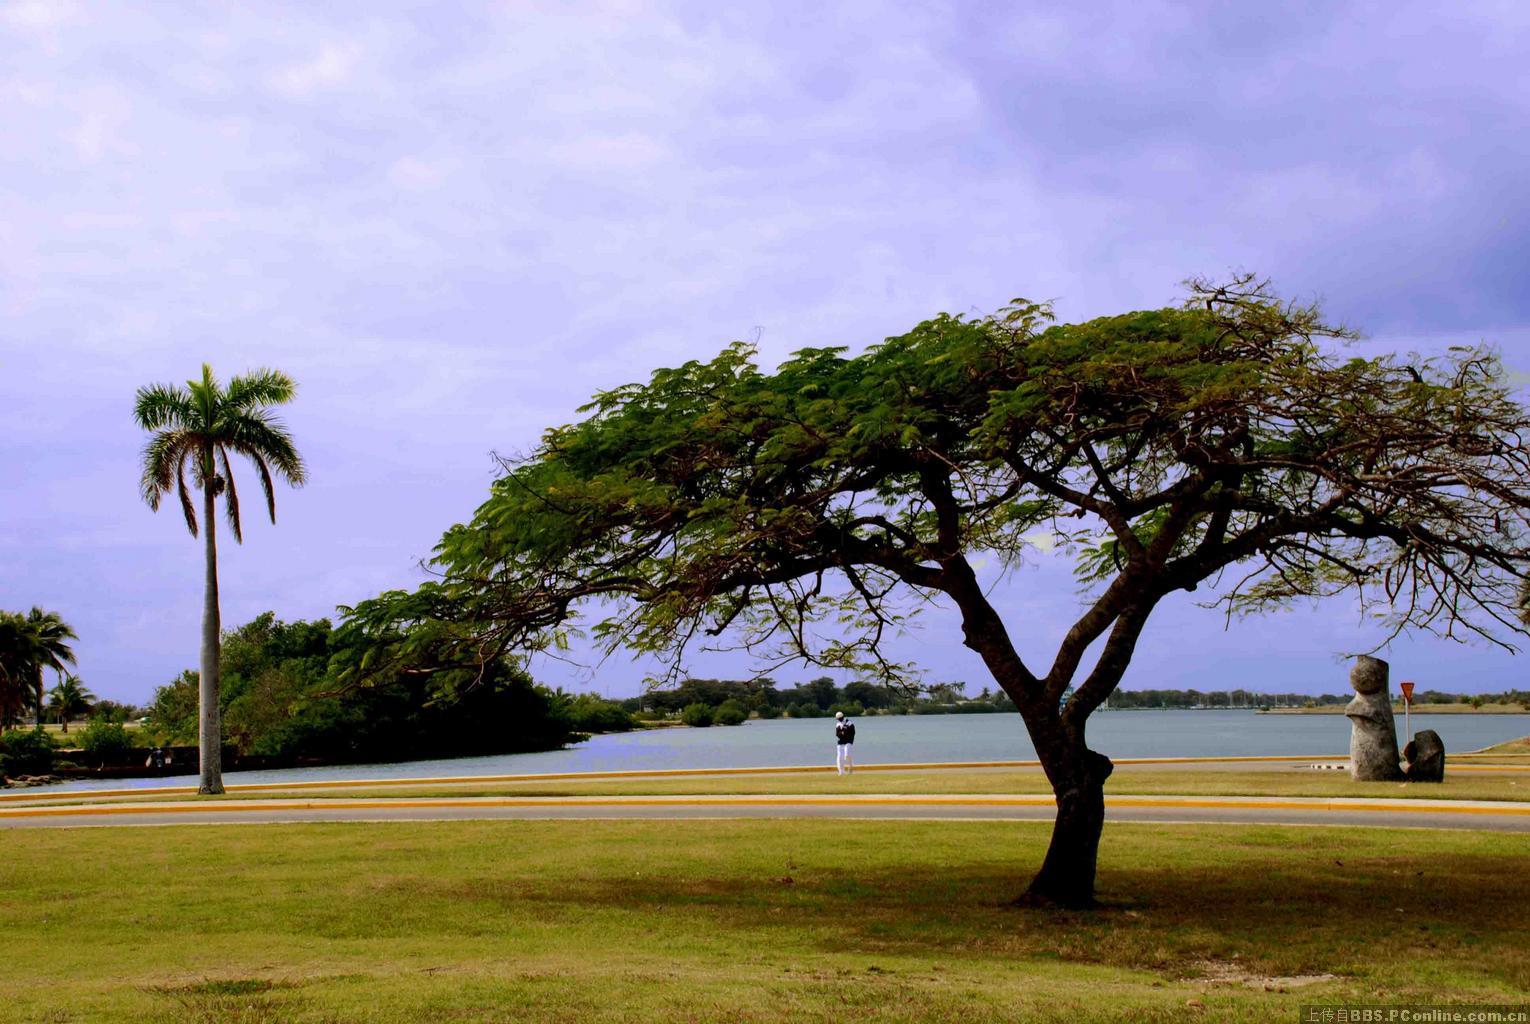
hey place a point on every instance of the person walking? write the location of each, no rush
(844, 739)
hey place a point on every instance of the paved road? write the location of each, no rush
(1457, 814)
(1269, 763)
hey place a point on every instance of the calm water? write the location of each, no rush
(911, 738)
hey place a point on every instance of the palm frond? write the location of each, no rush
(264, 473)
(160, 458)
(232, 496)
(187, 505)
(157, 406)
(204, 397)
(50, 636)
(258, 432)
(260, 387)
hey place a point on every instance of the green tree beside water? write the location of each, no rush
(284, 697)
(1161, 450)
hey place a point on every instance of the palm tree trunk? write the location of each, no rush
(37, 686)
(210, 726)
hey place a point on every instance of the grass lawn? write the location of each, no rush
(753, 921)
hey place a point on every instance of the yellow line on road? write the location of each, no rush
(655, 773)
(46, 793)
(1038, 800)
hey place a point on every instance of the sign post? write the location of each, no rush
(1407, 692)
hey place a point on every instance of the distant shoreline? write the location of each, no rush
(1418, 709)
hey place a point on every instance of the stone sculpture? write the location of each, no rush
(1425, 755)
(1373, 733)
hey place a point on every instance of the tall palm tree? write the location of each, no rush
(69, 699)
(198, 426)
(50, 649)
(15, 672)
(29, 644)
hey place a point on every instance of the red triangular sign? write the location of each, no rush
(1407, 689)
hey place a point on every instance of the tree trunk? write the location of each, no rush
(37, 685)
(209, 725)
(1066, 878)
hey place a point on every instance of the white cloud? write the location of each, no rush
(102, 129)
(419, 173)
(40, 16)
(626, 151)
(471, 222)
(333, 65)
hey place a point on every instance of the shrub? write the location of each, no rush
(852, 709)
(105, 740)
(697, 714)
(731, 712)
(974, 707)
(771, 711)
(589, 713)
(112, 711)
(25, 752)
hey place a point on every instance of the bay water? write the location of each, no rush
(900, 739)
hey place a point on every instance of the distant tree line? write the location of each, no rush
(1221, 699)
(816, 698)
(821, 697)
(1520, 697)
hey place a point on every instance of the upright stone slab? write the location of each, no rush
(1373, 733)
(1425, 754)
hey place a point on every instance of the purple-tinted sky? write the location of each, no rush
(452, 223)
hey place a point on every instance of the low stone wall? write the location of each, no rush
(183, 761)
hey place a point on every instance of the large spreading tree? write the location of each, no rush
(199, 428)
(1228, 443)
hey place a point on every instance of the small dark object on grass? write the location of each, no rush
(1425, 754)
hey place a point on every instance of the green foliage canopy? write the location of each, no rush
(283, 698)
(1159, 448)
(805, 513)
(199, 425)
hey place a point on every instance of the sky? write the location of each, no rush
(451, 224)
